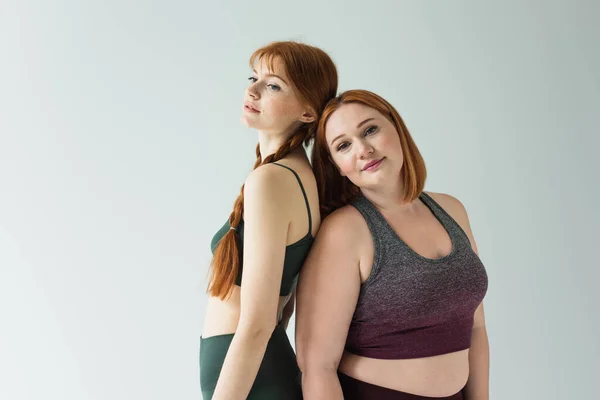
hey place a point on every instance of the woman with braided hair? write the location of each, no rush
(258, 253)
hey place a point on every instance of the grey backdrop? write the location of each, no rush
(121, 153)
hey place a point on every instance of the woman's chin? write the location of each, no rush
(247, 122)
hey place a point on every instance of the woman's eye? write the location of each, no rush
(370, 130)
(274, 87)
(252, 79)
(343, 146)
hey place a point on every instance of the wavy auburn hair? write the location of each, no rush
(314, 78)
(336, 191)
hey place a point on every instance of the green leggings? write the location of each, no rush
(278, 377)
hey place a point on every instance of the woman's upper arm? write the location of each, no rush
(458, 212)
(266, 222)
(328, 290)
(479, 317)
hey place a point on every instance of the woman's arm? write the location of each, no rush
(479, 360)
(328, 290)
(479, 354)
(266, 222)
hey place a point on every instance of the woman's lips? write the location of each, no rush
(250, 108)
(373, 165)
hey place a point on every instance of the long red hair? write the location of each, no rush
(314, 77)
(336, 191)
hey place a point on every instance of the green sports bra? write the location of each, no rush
(295, 253)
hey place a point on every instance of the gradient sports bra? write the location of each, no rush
(411, 306)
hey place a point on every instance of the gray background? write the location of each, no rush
(121, 153)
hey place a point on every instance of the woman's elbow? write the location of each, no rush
(301, 359)
(314, 361)
(255, 331)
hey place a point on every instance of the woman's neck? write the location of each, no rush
(388, 198)
(270, 142)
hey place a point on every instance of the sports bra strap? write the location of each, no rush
(303, 193)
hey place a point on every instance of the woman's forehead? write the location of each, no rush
(270, 65)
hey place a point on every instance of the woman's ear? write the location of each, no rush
(307, 116)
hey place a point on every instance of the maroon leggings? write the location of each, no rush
(358, 390)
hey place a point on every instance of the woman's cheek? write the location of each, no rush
(347, 166)
(389, 141)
